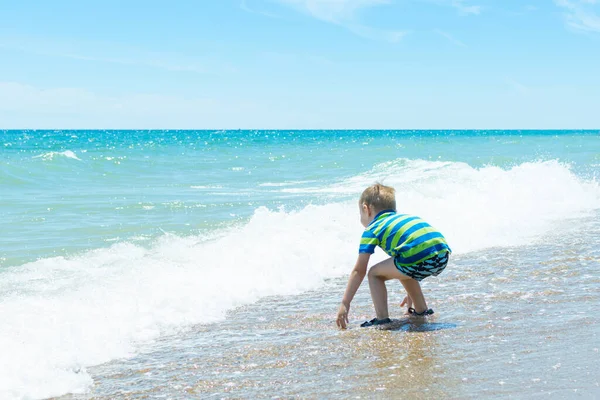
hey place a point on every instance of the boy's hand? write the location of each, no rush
(407, 301)
(342, 316)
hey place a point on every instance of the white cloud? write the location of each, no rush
(20, 97)
(377, 34)
(244, 6)
(464, 8)
(581, 15)
(345, 13)
(450, 38)
(461, 6)
(335, 11)
(106, 53)
(26, 106)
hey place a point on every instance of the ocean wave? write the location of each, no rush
(479, 207)
(56, 311)
(50, 155)
(62, 315)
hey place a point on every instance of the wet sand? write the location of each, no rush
(519, 323)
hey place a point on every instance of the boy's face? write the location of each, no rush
(365, 215)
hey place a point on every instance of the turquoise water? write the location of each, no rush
(117, 241)
(68, 191)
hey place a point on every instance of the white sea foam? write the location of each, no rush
(61, 315)
(50, 155)
(480, 207)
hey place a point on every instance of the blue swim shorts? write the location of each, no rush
(432, 266)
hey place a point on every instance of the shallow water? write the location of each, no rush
(519, 323)
(178, 264)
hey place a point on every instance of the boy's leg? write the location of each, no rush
(385, 271)
(413, 288)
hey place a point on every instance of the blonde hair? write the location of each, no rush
(379, 196)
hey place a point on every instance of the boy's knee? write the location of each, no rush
(372, 273)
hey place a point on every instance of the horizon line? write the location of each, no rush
(300, 129)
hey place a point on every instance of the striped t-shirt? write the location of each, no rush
(407, 238)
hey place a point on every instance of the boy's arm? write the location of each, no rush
(356, 277)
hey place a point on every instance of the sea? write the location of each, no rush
(210, 264)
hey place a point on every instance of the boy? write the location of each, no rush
(417, 251)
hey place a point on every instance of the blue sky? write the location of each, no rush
(324, 64)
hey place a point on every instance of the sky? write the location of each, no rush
(300, 64)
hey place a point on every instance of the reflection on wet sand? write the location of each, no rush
(516, 327)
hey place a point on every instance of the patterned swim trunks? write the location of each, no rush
(432, 266)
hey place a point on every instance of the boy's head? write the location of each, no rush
(375, 199)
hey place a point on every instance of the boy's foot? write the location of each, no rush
(375, 321)
(412, 312)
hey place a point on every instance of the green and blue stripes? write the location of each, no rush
(407, 238)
